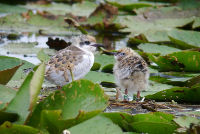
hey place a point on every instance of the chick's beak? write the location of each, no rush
(113, 53)
(97, 45)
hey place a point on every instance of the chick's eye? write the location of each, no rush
(122, 53)
(87, 42)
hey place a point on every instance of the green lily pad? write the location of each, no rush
(185, 121)
(178, 94)
(43, 56)
(178, 61)
(196, 23)
(154, 123)
(36, 23)
(84, 8)
(4, 8)
(5, 116)
(25, 98)
(6, 95)
(128, 5)
(185, 39)
(78, 97)
(25, 48)
(154, 48)
(96, 66)
(98, 125)
(104, 59)
(9, 128)
(108, 68)
(8, 68)
(99, 77)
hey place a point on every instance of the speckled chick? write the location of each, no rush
(131, 71)
(76, 59)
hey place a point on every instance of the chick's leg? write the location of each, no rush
(126, 95)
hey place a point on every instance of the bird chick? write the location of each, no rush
(73, 62)
(130, 71)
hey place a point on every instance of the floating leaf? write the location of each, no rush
(154, 123)
(178, 61)
(108, 68)
(43, 56)
(185, 121)
(96, 66)
(5, 116)
(20, 104)
(154, 48)
(185, 39)
(9, 128)
(104, 59)
(6, 95)
(128, 5)
(8, 68)
(97, 125)
(77, 98)
(178, 94)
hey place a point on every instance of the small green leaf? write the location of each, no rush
(42, 56)
(185, 121)
(5, 116)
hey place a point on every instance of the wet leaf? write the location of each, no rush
(154, 123)
(36, 85)
(96, 66)
(99, 77)
(185, 121)
(43, 56)
(4, 8)
(8, 68)
(154, 48)
(104, 59)
(6, 95)
(128, 5)
(25, 98)
(121, 119)
(5, 116)
(108, 68)
(9, 128)
(84, 8)
(185, 39)
(37, 23)
(196, 23)
(97, 125)
(77, 98)
(178, 94)
(24, 48)
(178, 61)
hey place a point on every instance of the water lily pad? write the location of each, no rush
(4, 8)
(185, 121)
(108, 68)
(178, 94)
(99, 77)
(185, 39)
(25, 98)
(9, 128)
(196, 23)
(128, 5)
(84, 8)
(6, 95)
(154, 48)
(43, 56)
(104, 59)
(5, 116)
(78, 97)
(178, 61)
(96, 66)
(97, 125)
(154, 123)
(8, 68)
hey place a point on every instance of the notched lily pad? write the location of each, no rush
(178, 61)
(78, 96)
(178, 94)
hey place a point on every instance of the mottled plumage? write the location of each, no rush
(131, 71)
(77, 58)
